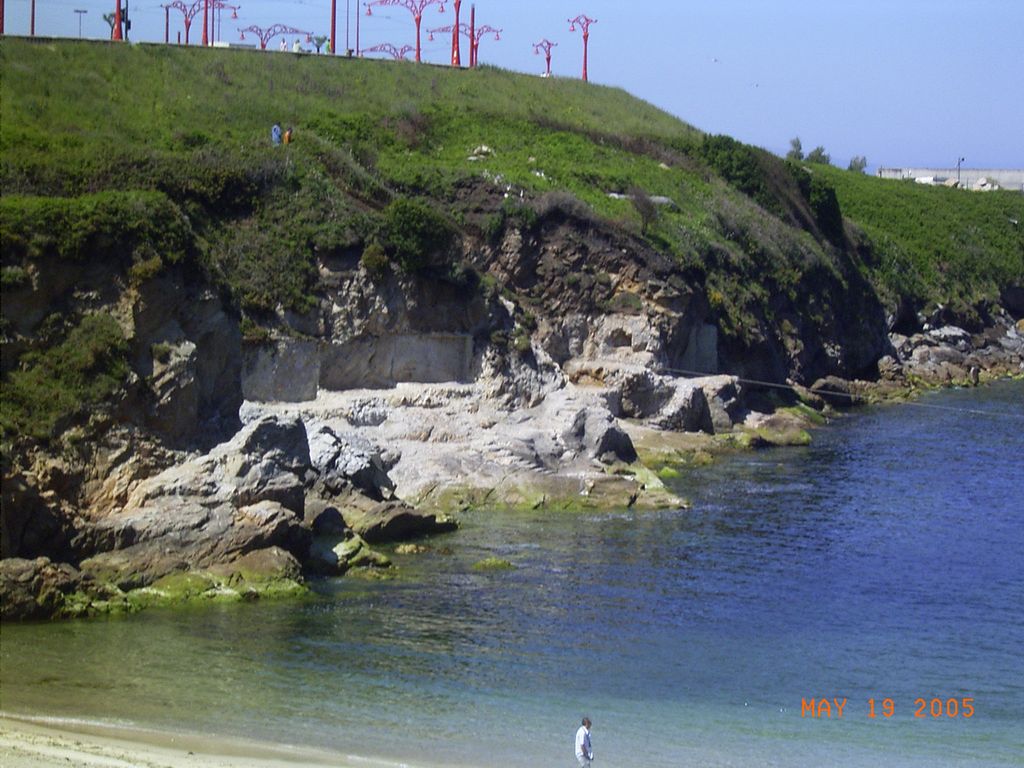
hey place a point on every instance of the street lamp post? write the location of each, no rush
(115, 32)
(80, 13)
(216, 6)
(473, 33)
(456, 51)
(584, 22)
(546, 46)
(266, 34)
(415, 7)
(958, 161)
(396, 53)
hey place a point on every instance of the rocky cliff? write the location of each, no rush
(219, 383)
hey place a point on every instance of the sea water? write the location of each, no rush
(883, 562)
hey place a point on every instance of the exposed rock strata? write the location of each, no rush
(394, 402)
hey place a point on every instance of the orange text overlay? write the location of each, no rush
(932, 708)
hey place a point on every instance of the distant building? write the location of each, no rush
(970, 178)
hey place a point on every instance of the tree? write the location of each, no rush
(646, 207)
(818, 155)
(858, 164)
(318, 41)
(796, 150)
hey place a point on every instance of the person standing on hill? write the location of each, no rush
(284, 45)
(584, 751)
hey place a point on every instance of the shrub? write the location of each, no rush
(644, 206)
(818, 155)
(564, 203)
(374, 260)
(13, 277)
(108, 225)
(416, 235)
(53, 384)
(796, 150)
(738, 164)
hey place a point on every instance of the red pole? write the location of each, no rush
(456, 52)
(206, 13)
(419, 18)
(334, 26)
(586, 43)
(188, 26)
(115, 33)
(472, 36)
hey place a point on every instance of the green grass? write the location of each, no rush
(935, 244)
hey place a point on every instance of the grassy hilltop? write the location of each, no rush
(154, 156)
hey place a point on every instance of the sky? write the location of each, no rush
(911, 83)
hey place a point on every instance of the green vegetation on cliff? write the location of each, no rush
(160, 156)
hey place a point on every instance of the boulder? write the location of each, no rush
(594, 432)
(348, 460)
(261, 565)
(889, 368)
(245, 495)
(725, 400)
(333, 556)
(146, 544)
(835, 391)
(394, 521)
(687, 410)
(34, 589)
(952, 336)
(644, 393)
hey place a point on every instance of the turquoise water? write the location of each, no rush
(885, 560)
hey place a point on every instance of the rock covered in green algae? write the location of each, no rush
(335, 555)
(492, 564)
(35, 589)
(269, 573)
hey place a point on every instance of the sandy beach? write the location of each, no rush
(39, 743)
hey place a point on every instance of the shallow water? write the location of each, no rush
(885, 560)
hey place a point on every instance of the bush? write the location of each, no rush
(13, 277)
(374, 260)
(108, 225)
(818, 155)
(739, 165)
(644, 206)
(52, 385)
(416, 235)
(563, 203)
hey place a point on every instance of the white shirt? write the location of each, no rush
(583, 748)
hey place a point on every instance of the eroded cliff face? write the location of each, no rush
(237, 463)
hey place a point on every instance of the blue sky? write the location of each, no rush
(903, 82)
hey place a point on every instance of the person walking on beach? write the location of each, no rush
(584, 752)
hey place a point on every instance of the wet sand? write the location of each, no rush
(41, 743)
